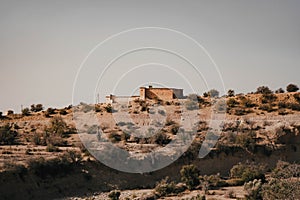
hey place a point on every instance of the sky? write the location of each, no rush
(61, 52)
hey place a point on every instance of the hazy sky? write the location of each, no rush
(43, 44)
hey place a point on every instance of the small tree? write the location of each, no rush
(279, 91)
(39, 107)
(10, 112)
(230, 93)
(26, 112)
(189, 175)
(57, 127)
(263, 90)
(292, 88)
(36, 108)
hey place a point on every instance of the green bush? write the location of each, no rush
(7, 135)
(189, 175)
(247, 172)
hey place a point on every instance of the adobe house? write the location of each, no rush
(165, 94)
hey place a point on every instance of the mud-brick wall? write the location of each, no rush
(178, 93)
(160, 93)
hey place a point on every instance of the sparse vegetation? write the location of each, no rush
(189, 175)
(7, 135)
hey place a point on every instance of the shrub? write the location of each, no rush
(230, 93)
(294, 106)
(175, 128)
(281, 189)
(286, 170)
(165, 188)
(10, 112)
(280, 90)
(282, 104)
(292, 88)
(297, 97)
(50, 168)
(25, 112)
(63, 112)
(52, 148)
(266, 107)
(57, 127)
(253, 189)
(232, 102)
(114, 136)
(246, 140)
(161, 138)
(247, 172)
(240, 111)
(205, 94)
(114, 195)
(246, 102)
(7, 135)
(263, 90)
(49, 111)
(268, 98)
(36, 108)
(108, 108)
(189, 175)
